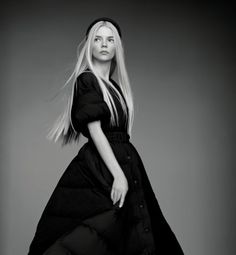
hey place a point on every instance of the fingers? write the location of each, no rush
(122, 200)
(116, 196)
(113, 195)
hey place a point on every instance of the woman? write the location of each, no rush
(103, 203)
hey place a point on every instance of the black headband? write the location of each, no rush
(104, 19)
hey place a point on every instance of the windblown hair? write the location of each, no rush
(63, 128)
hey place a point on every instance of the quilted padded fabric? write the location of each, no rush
(88, 103)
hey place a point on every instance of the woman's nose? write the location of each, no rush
(104, 43)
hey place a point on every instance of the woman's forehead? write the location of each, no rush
(104, 30)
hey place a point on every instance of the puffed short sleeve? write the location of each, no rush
(88, 103)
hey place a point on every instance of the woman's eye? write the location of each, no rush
(98, 39)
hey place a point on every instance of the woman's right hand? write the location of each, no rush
(119, 189)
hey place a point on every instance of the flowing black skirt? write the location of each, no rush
(80, 218)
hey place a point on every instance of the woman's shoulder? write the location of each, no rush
(86, 77)
(87, 81)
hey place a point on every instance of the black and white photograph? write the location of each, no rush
(118, 128)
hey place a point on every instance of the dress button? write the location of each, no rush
(135, 181)
(146, 252)
(146, 229)
(141, 205)
(128, 157)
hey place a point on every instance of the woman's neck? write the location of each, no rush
(103, 68)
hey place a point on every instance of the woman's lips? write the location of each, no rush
(104, 52)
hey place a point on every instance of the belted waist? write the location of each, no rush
(116, 136)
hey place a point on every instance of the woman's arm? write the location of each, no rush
(104, 148)
(120, 184)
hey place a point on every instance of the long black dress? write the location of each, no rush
(80, 218)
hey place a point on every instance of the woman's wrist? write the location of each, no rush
(118, 173)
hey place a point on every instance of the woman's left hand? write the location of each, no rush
(119, 189)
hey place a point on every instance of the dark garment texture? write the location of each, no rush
(79, 217)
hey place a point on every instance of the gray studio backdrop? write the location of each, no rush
(181, 63)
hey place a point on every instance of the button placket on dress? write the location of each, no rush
(146, 226)
(143, 224)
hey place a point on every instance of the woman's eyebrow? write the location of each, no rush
(106, 36)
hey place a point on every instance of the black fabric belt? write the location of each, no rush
(116, 136)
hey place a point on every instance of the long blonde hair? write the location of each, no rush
(63, 128)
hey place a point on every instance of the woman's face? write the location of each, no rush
(103, 46)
